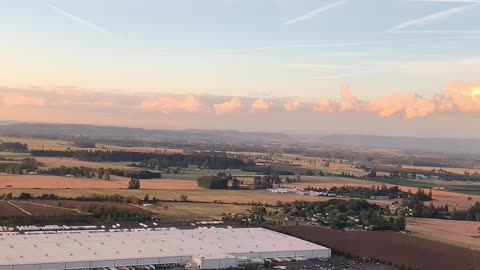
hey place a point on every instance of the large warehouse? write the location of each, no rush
(214, 248)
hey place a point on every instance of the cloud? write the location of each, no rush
(311, 14)
(78, 19)
(349, 103)
(292, 106)
(18, 100)
(260, 105)
(461, 97)
(170, 103)
(325, 106)
(458, 97)
(410, 105)
(433, 17)
(227, 107)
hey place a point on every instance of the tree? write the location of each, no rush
(183, 198)
(134, 183)
(146, 198)
(106, 175)
(235, 183)
(399, 224)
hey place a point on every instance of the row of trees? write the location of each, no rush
(15, 147)
(22, 167)
(417, 208)
(156, 161)
(266, 181)
(393, 192)
(219, 181)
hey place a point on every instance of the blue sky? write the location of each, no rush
(270, 49)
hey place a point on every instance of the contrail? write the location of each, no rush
(433, 17)
(309, 15)
(77, 19)
(446, 1)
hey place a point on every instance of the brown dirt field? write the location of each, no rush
(41, 210)
(56, 182)
(397, 248)
(461, 233)
(7, 210)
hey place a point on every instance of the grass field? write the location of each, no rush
(461, 233)
(42, 144)
(185, 211)
(192, 173)
(452, 186)
(448, 169)
(199, 195)
(53, 162)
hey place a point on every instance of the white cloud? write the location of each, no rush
(260, 105)
(227, 107)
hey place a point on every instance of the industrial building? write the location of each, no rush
(213, 248)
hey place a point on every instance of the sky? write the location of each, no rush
(384, 67)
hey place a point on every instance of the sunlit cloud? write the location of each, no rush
(292, 106)
(260, 105)
(170, 104)
(18, 100)
(227, 107)
(457, 97)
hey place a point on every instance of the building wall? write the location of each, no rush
(77, 265)
(97, 264)
(27, 267)
(52, 266)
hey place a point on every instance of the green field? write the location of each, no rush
(192, 173)
(453, 186)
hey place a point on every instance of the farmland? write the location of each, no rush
(185, 211)
(37, 209)
(57, 182)
(397, 248)
(461, 233)
(7, 209)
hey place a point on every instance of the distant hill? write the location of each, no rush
(471, 146)
(215, 136)
(468, 146)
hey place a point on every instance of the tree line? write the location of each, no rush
(219, 181)
(393, 192)
(416, 208)
(150, 160)
(15, 147)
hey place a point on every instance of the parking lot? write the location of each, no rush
(334, 263)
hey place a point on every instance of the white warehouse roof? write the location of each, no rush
(211, 243)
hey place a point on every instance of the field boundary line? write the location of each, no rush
(58, 207)
(19, 208)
